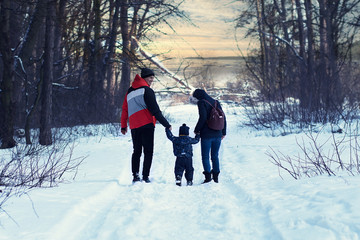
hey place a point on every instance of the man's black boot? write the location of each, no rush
(146, 179)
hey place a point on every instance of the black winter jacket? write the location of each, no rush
(204, 112)
(182, 144)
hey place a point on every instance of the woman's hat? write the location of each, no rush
(199, 94)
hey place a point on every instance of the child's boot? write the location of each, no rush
(178, 180)
(136, 177)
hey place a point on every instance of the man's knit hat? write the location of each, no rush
(184, 130)
(146, 72)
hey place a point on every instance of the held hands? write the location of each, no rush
(222, 137)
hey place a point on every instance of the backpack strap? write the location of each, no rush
(210, 103)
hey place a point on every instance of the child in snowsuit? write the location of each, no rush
(183, 152)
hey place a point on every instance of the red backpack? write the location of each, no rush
(216, 118)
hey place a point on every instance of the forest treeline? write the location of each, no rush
(67, 62)
(306, 66)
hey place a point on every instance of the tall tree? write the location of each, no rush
(48, 76)
(26, 64)
(58, 48)
(126, 56)
(306, 64)
(96, 82)
(107, 70)
(6, 87)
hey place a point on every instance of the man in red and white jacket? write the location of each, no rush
(141, 110)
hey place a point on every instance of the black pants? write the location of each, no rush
(142, 138)
(184, 164)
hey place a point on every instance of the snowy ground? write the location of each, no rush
(251, 201)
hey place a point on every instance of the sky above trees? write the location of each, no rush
(212, 36)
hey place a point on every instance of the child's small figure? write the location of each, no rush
(183, 152)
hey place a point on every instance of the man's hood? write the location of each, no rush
(139, 82)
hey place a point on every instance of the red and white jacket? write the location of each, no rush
(140, 107)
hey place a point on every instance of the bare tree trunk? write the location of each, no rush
(137, 26)
(32, 109)
(58, 55)
(273, 55)
(31, 36)
(285, 61)
(46, 96)
(263, 47)
(26, 52)
(6, 87)
(335, 90)
(107, 64)
(96, 86)
(304, 79)
(313, 101)
(300, 24)
(328, 67)
(87, 49)
(323, 77)
(126, 67)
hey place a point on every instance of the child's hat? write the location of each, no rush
(184, 130)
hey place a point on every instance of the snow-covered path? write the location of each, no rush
(250, 202)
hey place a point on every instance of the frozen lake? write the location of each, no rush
(218, 70)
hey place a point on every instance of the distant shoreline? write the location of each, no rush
(217, 58)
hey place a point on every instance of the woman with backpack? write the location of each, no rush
(212, 129)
